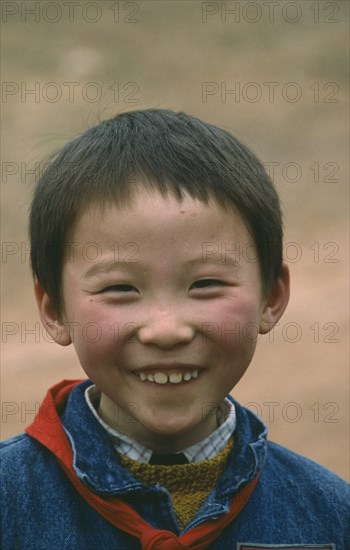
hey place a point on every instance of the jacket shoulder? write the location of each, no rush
(302, 472)
(299, 463)
(20, 455)
(13, 447)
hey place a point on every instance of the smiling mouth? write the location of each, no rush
(164, 378)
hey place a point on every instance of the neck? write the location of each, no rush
(122, 421)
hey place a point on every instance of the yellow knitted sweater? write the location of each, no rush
(188, 484)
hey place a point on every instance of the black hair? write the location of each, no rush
(166, 151)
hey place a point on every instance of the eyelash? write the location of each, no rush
(202, 283)
(119, 288)
(207, 283)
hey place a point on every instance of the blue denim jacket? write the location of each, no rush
(296, 502)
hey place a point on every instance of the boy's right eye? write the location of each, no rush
(120, 288)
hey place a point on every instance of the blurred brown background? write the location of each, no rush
(273, 73)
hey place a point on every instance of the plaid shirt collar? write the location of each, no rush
(204, 450)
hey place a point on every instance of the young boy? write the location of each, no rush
(157, 252)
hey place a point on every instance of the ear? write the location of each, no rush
(276, 302)
(50, 317)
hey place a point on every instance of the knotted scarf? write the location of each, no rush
(48, 430)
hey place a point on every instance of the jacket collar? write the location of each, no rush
(97, 464)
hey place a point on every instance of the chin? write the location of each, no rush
(171, 428)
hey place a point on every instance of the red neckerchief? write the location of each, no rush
(48, 430)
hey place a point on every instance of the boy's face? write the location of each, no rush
(162, 291)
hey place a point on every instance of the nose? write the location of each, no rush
(166, 330)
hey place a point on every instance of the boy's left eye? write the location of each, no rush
(207, 283)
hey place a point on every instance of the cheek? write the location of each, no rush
(234, 328)
(243, 310)
(99, 332)
(93, 318)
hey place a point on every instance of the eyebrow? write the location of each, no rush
(106, 266)
(217, 260)
(103, 266)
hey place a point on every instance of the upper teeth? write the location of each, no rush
(163, 378)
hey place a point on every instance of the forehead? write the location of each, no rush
(151, 216)
(159, 234)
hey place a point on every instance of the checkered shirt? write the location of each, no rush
(204, 450)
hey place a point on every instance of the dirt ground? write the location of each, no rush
(275, 78)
